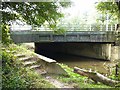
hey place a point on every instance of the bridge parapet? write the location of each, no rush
(68, 36)
(79, 27)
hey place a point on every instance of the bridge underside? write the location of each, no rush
(92, 50)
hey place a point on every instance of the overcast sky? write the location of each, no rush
(80, 7)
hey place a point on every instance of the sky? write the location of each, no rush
(81, 7)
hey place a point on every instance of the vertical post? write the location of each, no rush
(116, 70)
(111, 27)
(106, 27)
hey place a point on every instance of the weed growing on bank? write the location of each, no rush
(15, 76)
(79, 81)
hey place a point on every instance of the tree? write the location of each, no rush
(33, 13)
(112, 8)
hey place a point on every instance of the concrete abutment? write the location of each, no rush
(92, 50)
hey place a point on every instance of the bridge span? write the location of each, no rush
(95, 44)
(69, 36)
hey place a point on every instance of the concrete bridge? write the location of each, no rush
(94, 44)
(69, 36)
(83, 33)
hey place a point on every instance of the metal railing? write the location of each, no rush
(72, 27)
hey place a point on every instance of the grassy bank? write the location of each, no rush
(15, 76)
(77, 80)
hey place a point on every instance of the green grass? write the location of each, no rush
(78, 81)
(13, 73)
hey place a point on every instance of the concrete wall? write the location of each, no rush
(115, 53)
(69, 36)
(93, 50)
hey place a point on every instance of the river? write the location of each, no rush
(101, 66)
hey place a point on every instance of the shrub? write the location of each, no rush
(5, 34)
(15, 76)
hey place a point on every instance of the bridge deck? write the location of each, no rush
(69, 36)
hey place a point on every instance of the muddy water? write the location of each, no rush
(101, 66)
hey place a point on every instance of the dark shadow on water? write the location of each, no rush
(68, 57)
(79, 61)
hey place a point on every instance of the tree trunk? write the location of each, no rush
(96, 77)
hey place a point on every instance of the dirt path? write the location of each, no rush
(57, 83)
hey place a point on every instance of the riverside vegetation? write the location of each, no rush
(15, 76)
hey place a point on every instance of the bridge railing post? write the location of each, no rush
(115, 26)
(111, 27)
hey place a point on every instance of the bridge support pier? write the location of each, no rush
(104, 51)
(92, 50)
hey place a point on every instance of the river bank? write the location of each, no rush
(71, 81)
(102, 66)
